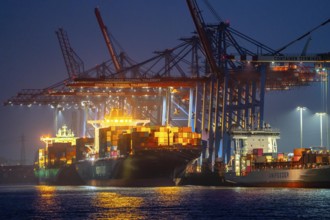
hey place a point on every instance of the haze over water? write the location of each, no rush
(190, 202)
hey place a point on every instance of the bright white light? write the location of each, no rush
(321, 114)
(301, 109)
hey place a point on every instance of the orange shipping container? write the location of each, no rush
(186, 129)
(299, 151)
(296, 158)
(318, 159)
(280, 156)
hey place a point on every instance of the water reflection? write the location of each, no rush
(46, 201)
(46, 194)
(169, 196)
(116, 206)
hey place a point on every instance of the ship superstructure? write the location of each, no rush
(59, 150)
(56, 159)
(261, 142)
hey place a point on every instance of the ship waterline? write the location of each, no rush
(147, 168)
(257, 163)
(300, 177)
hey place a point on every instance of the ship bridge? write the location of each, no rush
(245, 140)
(116, 118)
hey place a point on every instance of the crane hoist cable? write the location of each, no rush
(211, 8)
(302, 36)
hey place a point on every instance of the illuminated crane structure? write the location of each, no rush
(237, 83)
(207, 81)
(144, 89)
(107, 39)
(73, 62)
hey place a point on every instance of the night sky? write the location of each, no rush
(30, 56)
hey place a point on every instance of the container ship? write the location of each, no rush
(130, 152)
(123, 152)
(264, 166)
(55, 163)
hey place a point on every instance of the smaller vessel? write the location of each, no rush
(55, 164)
(264, 166)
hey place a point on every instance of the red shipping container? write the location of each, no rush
(258, 151)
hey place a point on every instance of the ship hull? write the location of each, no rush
(143, 169)
(65, 175)
(311, 178)
(46, 175)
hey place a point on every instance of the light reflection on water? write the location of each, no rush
(46, 201)
(83, 202)
(169, 195)
(116, 206)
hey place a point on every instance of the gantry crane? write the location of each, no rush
(225, 93)
(231, 101)
(239, 78)
(152, 91)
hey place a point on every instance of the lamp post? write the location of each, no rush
(301, 109)
(321, 114)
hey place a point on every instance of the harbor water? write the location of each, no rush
(188, 202)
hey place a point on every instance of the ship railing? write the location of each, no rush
(256, 129)
(290, 165)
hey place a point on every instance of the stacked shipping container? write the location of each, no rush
(129, 139)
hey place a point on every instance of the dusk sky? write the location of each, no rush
(30, 56)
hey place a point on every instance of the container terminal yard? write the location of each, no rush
(197, 106)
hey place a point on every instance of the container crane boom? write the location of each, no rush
(73, 62)
(107, 40)
(304, 51)
(199, 24)
(302, 36)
